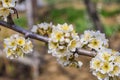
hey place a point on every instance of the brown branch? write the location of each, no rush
(10, 20)
(40, 38)
(91, 8)
(24, 32)
(86, 52)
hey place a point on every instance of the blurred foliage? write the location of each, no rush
(70, 15)
(59, 1)
(107, 1)
(21, 21)
(80, 19)
(109, 13)
(110, 1)
(77, 17)
(109, 30)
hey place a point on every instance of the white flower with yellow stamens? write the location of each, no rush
(93, 40)
(63, 60)
(9, 3)
(27, 47)
(73, 45)
(67, 35)
(53, 45)
(20, 41)
(18, 52)
(7, 42)
(95, 44)
(69, 60)
(100, 76)
(101, 36)
(15, 36)
(10, 43)
(105, 56)
(63, 42)
(115, 71)
(57, 36)
(106, 67)
(76, 64)
(6, 8)
(65, 27)
(16, 46)
(95, 64)
(67, 40)
(45, 25)
(109, 63)
(60, 52)
(117, 60)
(9, 52)
(43, 29)
(87, 35)
(4, 12)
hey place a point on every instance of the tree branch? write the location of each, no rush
(91, 8)
(86, 52)
(41, 38)
(24, 32)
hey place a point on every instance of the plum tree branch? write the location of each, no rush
(40, 38)
(23, 31)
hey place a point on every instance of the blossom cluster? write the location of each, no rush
(44, 29)
(6, 8)
(93, 40)
(106, 65)
(63, 42)
(17, 46)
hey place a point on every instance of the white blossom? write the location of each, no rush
(9, 3)
(44, 29)
(17, 46)
(6, 8)
(63, 42)
(93, 40)
(106, 64)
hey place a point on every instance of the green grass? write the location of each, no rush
(109, 30)
(21, 21)
(70, 16)
(109, 13)
(77, 17)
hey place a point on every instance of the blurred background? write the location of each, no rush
(103, 15)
